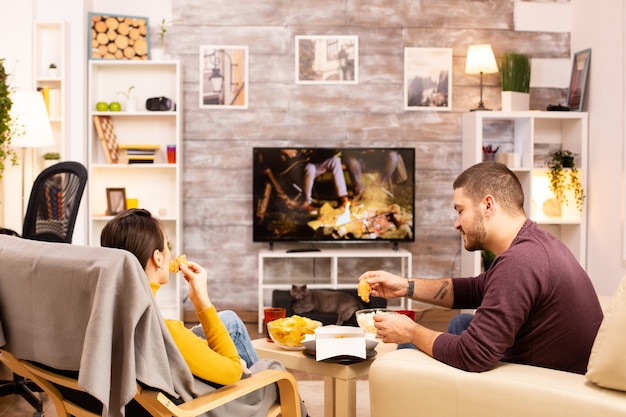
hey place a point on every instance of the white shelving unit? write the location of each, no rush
(330, 265)
(156, 186)
(534, 132)
(49, 42)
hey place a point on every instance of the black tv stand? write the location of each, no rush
(295, 250)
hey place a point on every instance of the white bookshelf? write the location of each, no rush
(156, 186)
(533, 133)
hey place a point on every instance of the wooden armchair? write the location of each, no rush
(155, 402)
(82, 320)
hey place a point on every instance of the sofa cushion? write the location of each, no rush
(607, 367)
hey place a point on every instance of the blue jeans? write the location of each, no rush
(238, 333)
(458, 323)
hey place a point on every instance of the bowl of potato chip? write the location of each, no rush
(289, 332)
(365, 318)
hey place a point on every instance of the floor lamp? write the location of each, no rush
(480, 60)
(32, 128)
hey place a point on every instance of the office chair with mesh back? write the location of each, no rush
(50, 216)
(54, 202)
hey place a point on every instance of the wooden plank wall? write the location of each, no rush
(218, 144)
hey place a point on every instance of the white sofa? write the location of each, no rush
(410, 383)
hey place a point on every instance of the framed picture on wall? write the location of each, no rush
(327, 59)
(118, 37)
(578, 80)
(223, 77)
(427, 78)
(116, 201)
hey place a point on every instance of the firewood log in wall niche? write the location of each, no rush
(119, 37)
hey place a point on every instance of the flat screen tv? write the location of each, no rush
(333, 194)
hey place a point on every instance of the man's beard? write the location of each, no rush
(475, 236)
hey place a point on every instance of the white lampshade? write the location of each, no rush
(31, 121)
(480, 59)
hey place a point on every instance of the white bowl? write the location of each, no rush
(365, 318)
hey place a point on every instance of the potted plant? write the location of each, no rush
(515, 79)
(52, 70)
(157, 54)
(51, 158)
(564, 176)
(6, 125)
(131, 103)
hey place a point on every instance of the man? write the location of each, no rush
(535, 305)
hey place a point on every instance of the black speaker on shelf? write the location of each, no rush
(160, 104)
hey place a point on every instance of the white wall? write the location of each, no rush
(602, 30)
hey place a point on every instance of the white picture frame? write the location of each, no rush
(223, 76)
(327, 59)
(428, 79)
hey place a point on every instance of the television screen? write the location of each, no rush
(329, 194)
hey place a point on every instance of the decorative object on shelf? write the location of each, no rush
(427, 79)
(515, 78)
(578, 80)
(560, 165)
(137, 153)
(223, 77)
(480, 60)
(118, 37)
(159, 104)
(6, 122)
(157, 54)
(108, 139)
(489, 153)
(171, 154)
(327, 59)
(116, 201)
(51, 158)
(52, 70)
(130, 102)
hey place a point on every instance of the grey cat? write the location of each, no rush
(324, 301)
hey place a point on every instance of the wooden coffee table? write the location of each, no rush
(339, 379)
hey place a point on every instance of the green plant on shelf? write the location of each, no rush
(127, 94)
(564, 176)
(8, 130)
(163, 30)
(52, 66)
(515, 72)
(50, 156)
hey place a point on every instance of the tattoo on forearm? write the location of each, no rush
(443, 291)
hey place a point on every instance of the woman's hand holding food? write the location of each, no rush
(196, 276)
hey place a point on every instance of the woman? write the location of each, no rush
(219, 361)
(214, 357)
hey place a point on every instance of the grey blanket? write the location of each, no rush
(90, 310)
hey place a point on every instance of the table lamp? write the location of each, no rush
(32, 126)
(480, 60)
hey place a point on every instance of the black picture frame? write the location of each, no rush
(116, 201)
(578, 80)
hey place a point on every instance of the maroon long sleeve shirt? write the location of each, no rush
(535, 306)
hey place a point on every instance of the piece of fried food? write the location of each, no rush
(175, 263)
(364, 290)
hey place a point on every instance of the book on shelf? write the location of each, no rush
(137, 154)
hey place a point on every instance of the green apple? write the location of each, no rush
(102, 106)
(115, 106)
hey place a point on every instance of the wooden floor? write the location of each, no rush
(16, 406)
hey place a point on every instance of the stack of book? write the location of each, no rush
(137, 154)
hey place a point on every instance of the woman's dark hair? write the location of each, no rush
(492, 178)
(136, 231)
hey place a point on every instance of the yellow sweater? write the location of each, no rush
(214, 359)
